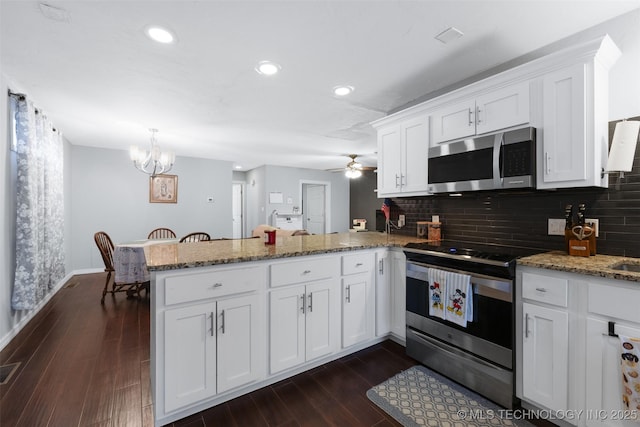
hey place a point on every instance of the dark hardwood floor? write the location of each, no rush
(84, 364)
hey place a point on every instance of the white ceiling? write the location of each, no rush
(104, 83)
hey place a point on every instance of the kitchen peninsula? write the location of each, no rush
(231, 316)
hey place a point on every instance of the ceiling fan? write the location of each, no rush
(354, 168)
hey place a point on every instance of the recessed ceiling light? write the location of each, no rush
(342, 90)
(449, 35)
(268, 68)
(159, 34)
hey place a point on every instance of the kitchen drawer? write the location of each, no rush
(547, 289)
(303, 271)
(212, 284)
(620, 303)
(357, 263)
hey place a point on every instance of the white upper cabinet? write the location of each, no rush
(573, 149)
(492, 111)
(564, 95)
(402, 157)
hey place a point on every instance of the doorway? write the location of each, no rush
(237, 209)
(316, 206)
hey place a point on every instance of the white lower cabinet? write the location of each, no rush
(398, 266)
(604, 379)
(570, 362)
(545, 356)
(209, 348)
(303, 323)
(383, 293)
(357, 309)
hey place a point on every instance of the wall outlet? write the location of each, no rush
(595, 222)
(555, 227)
(401, 219)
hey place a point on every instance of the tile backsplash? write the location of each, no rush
(520, 218)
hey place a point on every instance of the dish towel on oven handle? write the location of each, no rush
(437, 281)
(630, 365)
(459, 298)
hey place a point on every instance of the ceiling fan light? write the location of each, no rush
(353, 173)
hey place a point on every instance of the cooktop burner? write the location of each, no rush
(474, 250)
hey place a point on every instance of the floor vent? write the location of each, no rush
(71, 285)
(7, 371)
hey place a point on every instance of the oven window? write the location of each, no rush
(492, 318)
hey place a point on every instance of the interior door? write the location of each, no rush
(236, 210)
(315, 208)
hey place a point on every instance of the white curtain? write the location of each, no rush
(40, 257)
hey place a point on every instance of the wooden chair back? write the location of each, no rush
(105, 246)
(162, 233)
(196, 237)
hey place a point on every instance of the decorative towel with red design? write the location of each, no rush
(630, 364)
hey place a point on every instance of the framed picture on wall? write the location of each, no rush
(163, 189)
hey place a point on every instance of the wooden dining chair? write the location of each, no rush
(162, 233)
(106, 248)
(196, 237)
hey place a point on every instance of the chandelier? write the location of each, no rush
(152, 162)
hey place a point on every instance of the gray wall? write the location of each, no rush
(364, 200)
(266, 179)
(109, 194)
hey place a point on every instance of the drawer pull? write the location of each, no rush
(359, 265)
(541, 290)
(216, 285)
(306, 272)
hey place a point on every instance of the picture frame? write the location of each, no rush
(163, 189)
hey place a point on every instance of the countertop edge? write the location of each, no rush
(596, 266)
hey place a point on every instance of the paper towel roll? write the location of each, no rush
(623, 146)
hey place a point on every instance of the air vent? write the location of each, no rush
(7, 371)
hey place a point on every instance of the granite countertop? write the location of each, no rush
(186, 255)
(598, 265)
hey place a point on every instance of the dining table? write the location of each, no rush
(129, 261)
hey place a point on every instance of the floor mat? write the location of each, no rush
(421, 397)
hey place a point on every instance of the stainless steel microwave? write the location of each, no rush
(498, 161)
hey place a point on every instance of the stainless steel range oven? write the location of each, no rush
(479, 356)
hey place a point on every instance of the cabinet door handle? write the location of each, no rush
(547, 163)
(478, 121)
(397, 185)
(212, 326)
(470, 117)
(381, 266)
(222, 317)
(348, 293)
(526, 325)
(310, 306)
(541, 290)
(403, 180)
(302, 300)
